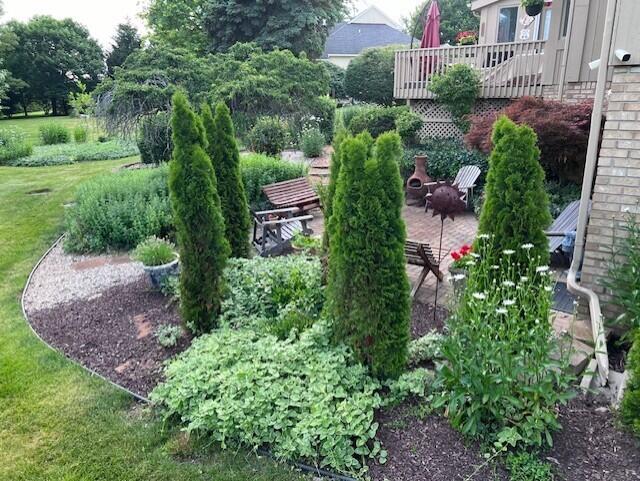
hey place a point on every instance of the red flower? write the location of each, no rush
(466, 249)
(456, 256)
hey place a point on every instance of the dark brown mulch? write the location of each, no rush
(427, 448)
(114, 334)
(423, 321)
(591, 445)
(618, 351)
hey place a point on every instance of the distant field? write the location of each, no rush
(31, 125)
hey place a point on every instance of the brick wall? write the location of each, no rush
(573, 92)
(617, 186)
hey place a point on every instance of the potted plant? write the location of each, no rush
(308, 245)
(533, 7)
(159, 259)
(459, 268)
(467, 37)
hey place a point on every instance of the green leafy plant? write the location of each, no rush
(457, 90)
(269, 136)
(500, 379)
(223, 150)
(368, 289)
(425, 348)
(408, 124)
(306, 243)
(630, 406)
(154, 138)
(170, 287)
(80, 134)
(168, 335)
(13, 145)
(561, 194)
(375, 120)
(525, 466)
(268, 294)
(312, 142)
(154, 252)
(64, 154)
(334, 173)
(54, 133)
(259, 170)
(81, 102)
(118, 211)
(412, 383)
(200, 228)
(369, 76)
(516, 206)
(531, 3)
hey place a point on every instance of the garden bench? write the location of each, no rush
(566, 223)
(420, 254)
(292, 193)
(274, 229)
(465, 181)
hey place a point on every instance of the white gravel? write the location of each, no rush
(64, 277)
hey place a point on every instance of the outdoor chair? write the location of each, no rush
(274, 229)
(565, 224)
(420, 254)
(465, 181)
(297, 193)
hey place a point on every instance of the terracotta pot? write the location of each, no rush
(533, 10)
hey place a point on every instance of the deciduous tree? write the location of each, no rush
(455, 16)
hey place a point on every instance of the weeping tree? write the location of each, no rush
(223, 150)
(368, 289)
(516, 207)
(198, 219)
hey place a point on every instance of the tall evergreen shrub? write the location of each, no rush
(199, 223)
(334, 172)
(368, 288)
(225, 157)
(516, 208)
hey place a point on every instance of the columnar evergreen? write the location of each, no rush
(516, 208)
(223, 150)
(198, 220)
(368, 286)
(334, 172)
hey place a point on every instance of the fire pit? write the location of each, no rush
(416, 188)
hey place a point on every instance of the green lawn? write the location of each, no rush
(31, 125)
(57, 423)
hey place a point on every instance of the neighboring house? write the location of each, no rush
(370, 28)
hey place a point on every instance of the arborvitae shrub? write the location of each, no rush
(516, 207)
(334, 172)
(630, 408)
(199, 223)
(225, 157)
(368, 289)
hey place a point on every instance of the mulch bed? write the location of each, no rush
(423, 321)
(113, 334)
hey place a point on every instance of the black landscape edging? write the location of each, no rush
(301, 466)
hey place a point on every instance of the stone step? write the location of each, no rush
(564, 323)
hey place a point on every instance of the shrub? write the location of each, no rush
(334, 173)
(168, 335)
(53, 133)
(13, 145)
(457, 90)
(308, 244)
(499, 381)
(259, 170)
(562, 130)
(516, 206)
(303, 399)
(368, 289)
(62, 154)
(118, 211)
(369, 76)
(321, 114)
(198, 219)
(80, 134)
(312, 142)
(346, 113)
(269, 136)
(561, 194)
(225, 156)
(375, 120)
(630, 406)
(408, 124)
(623, 279)
(267, 293)
(154, 138)
(154, 251)
(336, 84)
(527, 467)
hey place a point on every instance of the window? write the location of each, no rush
(544, 25)
(507, 24)
(565, 17)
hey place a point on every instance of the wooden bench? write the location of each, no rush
(566, 223)
(292, 193)
(274, 229)
(420, 254)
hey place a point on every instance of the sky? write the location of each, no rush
(102, 16)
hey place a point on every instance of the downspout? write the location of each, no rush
(565, 54)
(597, 325)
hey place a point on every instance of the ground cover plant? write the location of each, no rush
(118, 211)
(62, 154)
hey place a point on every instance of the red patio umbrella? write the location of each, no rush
(431, 37)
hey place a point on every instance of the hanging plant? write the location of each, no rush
(533, 7)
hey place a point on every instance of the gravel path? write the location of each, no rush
(61, 278)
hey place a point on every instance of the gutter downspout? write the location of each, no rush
(597, 325)
(565, 54)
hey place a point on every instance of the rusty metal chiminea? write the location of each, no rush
(416, 190)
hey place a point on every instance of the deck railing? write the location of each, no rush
(506, 70)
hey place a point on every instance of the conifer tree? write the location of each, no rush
(198, 220)
(516, 208)
(225, 157)
(334, 172)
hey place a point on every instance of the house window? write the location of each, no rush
(507, 24)
(565, 17)
(544, 25)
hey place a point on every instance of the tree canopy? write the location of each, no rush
(125, 42)
(179, 23)
(369, 76)
(47, 58)
(455, 16)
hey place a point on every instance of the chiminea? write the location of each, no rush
(416, 190)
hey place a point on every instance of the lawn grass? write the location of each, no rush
(56, 421)
(31, 125)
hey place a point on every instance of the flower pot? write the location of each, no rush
(158, 273)
(533, 10)
(458, 283)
